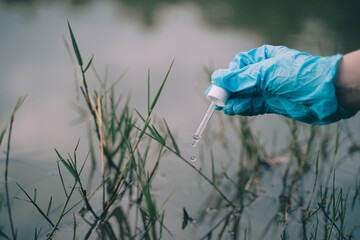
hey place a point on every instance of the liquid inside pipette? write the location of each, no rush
(203, 123)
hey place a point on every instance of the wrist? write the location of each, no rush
(347, 81)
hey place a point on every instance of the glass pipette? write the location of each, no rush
(218, 97)
(203, 124)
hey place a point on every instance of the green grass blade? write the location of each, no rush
(153, 133)
(19, 103)
(150, 204)
(176, 147)
(68, 166)
(108, 231)
(83, 165)
(133, 161)
(35, 193)
(76, 49)
(77, 145)
(89, 64)
(161, 87)
(36, 206)
(337, 139)
(212, 166)
(157, 135)
(49, 206)
(62, 180)
(161, 224)
(317, 164)
(147, 134)
(142, 118)
(36, 233)
(148, 93)
(17, 106)
(167, 199)
(2, 234)
(333, 194)
(74, 226)
(350, 234)
(2, 134)
(21, 199)
(144, 129)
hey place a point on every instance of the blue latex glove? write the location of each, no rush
(276, 79)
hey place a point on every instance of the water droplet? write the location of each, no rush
(195, 140)
(193, 158)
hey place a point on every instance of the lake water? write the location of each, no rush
(141, 35)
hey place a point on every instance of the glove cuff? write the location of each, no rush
(340, 113)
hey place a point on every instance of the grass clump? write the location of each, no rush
(123, 155)
(125, 151)
(306, 206)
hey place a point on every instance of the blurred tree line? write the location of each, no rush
(275, 20)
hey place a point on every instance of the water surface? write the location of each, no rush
(135, 37)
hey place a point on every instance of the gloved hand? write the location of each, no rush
(276, 79)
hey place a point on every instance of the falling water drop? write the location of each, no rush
(195, 140)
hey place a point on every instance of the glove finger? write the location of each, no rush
(259, 54)
(246, 106)
(248, 69)
(240, 79)
(244, 59)
(218, 108)
(276, 51)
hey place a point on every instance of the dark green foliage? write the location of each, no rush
(161, 88)
(75, 46)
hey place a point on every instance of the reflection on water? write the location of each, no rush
(270, 193)
(271, 186)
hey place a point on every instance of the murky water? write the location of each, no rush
(133, 37)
